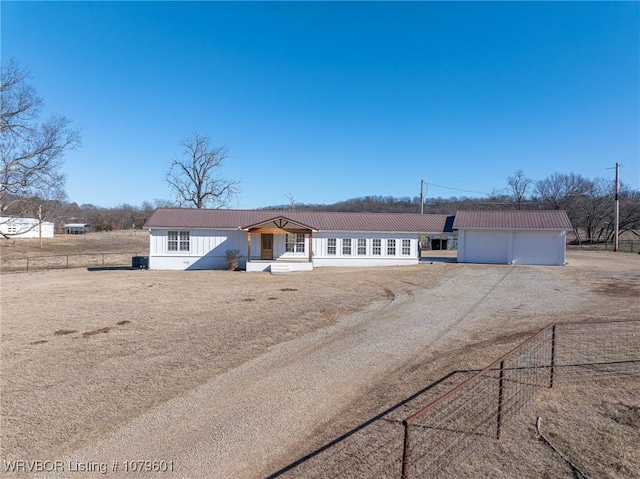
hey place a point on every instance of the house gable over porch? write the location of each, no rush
(280, 225)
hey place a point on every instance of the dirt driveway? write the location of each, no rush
(236, 375)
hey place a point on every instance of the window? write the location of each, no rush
(376, 246)
(12, 229)
(178, 241)
(391, 247)
(362, 245)
(295, 243)
(406, 247)
(331, 245)
(346, 246)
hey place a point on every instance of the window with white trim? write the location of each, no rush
(391, 247)
(178, 241)
(346, 246)
(295, 243)
(331, 246)
(362, 246)
(376, 246)
(406, 247)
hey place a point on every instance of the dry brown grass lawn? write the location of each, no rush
(85, 352)
(82, 250)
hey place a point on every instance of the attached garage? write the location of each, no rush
(485, 246)
(512, 237)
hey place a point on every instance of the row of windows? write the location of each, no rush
(295, 243)
(361, 246)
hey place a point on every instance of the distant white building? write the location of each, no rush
(25, 228)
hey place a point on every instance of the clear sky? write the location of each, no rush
(329, 101)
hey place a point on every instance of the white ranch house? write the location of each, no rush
(290, 240)
(286, 240)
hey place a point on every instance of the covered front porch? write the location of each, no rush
(279, 245)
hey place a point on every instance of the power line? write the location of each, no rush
(458, 189)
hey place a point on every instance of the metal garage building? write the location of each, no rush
(512, 237)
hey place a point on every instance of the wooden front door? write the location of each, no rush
(266, 250)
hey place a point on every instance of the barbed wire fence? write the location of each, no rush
(440, 438)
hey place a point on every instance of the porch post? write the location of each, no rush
(310, 246)
(249, 246)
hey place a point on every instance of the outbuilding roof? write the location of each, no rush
(22, 221)
(513, 219)
(316, 220)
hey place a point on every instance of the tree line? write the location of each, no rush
(589, 203)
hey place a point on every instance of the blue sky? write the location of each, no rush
(329, 101)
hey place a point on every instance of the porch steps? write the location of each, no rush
(280, 268)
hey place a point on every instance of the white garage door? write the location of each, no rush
(538, 247)
(486, 247)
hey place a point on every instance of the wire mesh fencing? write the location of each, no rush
(442, 435)
(454, 423)
(586, 350)
(65, 261)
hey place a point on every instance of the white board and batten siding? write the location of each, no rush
(206, 249)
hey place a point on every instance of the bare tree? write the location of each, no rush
(195, 179)
(31, 151)
(292, 201)
(519, 185)
(560, 190)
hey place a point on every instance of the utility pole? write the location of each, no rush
(421, 197)
(40, 224)
(617, 209)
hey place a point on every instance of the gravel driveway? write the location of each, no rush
(255, 418)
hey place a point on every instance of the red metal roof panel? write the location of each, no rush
(318, 220)
(513, 219)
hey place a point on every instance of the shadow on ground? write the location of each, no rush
(302, 466)
(438, 259)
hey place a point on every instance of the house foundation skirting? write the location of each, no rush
(278, 266)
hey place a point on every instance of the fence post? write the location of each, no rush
(405, 452)
(67, 261)
(553, 355)
(27, 264)
(500, 388)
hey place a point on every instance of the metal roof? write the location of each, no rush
(317, 220)
(513, 219)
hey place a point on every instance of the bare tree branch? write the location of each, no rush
(519, 185)
(195, 179)
(31, 151)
